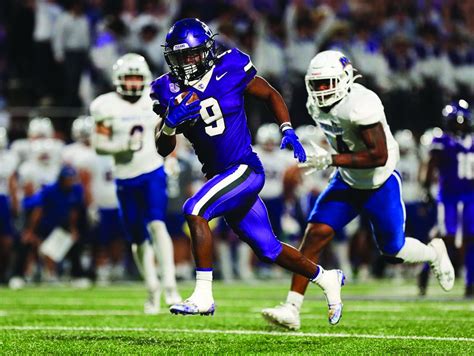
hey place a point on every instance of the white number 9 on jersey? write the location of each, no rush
(211, 114)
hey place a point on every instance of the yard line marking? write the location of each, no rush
(236, 332)
(242, 315)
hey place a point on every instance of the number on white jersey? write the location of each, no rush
(466, 165)
(211, 114)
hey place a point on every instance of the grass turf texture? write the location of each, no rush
(379, 317)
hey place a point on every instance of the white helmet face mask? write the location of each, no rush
(40, 127)
(126, 69)
(329, 78)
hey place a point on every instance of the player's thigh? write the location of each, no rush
(386, 212)
(233, 190)
(448, 217)
(131, 212)
(110, 226)
(154, 196)
(254, 228)
(337, 205)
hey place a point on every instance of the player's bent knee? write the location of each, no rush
(268, 254)
(318, 232)
(390, 250)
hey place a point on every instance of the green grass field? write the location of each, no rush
(380, 317)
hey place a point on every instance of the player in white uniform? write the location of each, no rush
(97, 180)
(353, 120)
(38, 128)
(8, 201)
(125, 129)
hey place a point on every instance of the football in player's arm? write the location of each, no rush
(216, 125)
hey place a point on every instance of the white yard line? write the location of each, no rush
(241, 315)
(234, 332)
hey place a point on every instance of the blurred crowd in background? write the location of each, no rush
(56, 56)
(416, 54)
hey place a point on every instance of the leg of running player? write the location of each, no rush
(255, 229)
(331, 211)
(468, 225)
(155, 198)
(386, 211)
(133, 217)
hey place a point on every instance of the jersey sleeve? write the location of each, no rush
(240, 67)
(368, 110)
(98, 112)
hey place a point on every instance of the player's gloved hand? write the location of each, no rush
(179, 113)
(291, 140)
(317, 161)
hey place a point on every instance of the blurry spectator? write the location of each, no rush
(55, 206)
(401, 105)
(151, 46)
(108, 47)
(71, 42)
(46, 70)
(399, 23)
(301, 48)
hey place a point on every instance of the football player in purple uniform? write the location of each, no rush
(216, 125)
(452, 156)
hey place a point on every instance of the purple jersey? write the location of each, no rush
(220, 137)
(456, 165)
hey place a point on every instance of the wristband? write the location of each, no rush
(285, 126)
(168, 131)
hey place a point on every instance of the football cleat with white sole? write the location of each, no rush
(189, 307)
(442, 267)
(285, 315)
(172, 297)
(331, 284)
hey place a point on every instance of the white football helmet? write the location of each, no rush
(406, 140)
(128, 65)
(268, 134)
(40, 127)
(310, 133)
(329, 77)
(81, 129)
(3, 138)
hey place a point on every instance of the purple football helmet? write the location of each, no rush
(189, 49)
(457, 117)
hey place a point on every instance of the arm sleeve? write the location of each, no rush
(240, 66)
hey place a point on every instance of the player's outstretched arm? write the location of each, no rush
(376, 154)
(261, 89)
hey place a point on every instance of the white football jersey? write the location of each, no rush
(126, 119)
(7, 169)
(37, 173)
(409, 168)
(360, 107)
(23, 148)
(275, 164)
(104, 189)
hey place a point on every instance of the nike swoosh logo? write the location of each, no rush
(220, 77)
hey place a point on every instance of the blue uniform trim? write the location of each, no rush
(338, 204)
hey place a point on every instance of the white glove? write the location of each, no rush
(317, 161)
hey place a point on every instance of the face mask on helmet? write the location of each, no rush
(131, 75)
(329, 78)
(189, 50)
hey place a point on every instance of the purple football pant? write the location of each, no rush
(234, 195)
